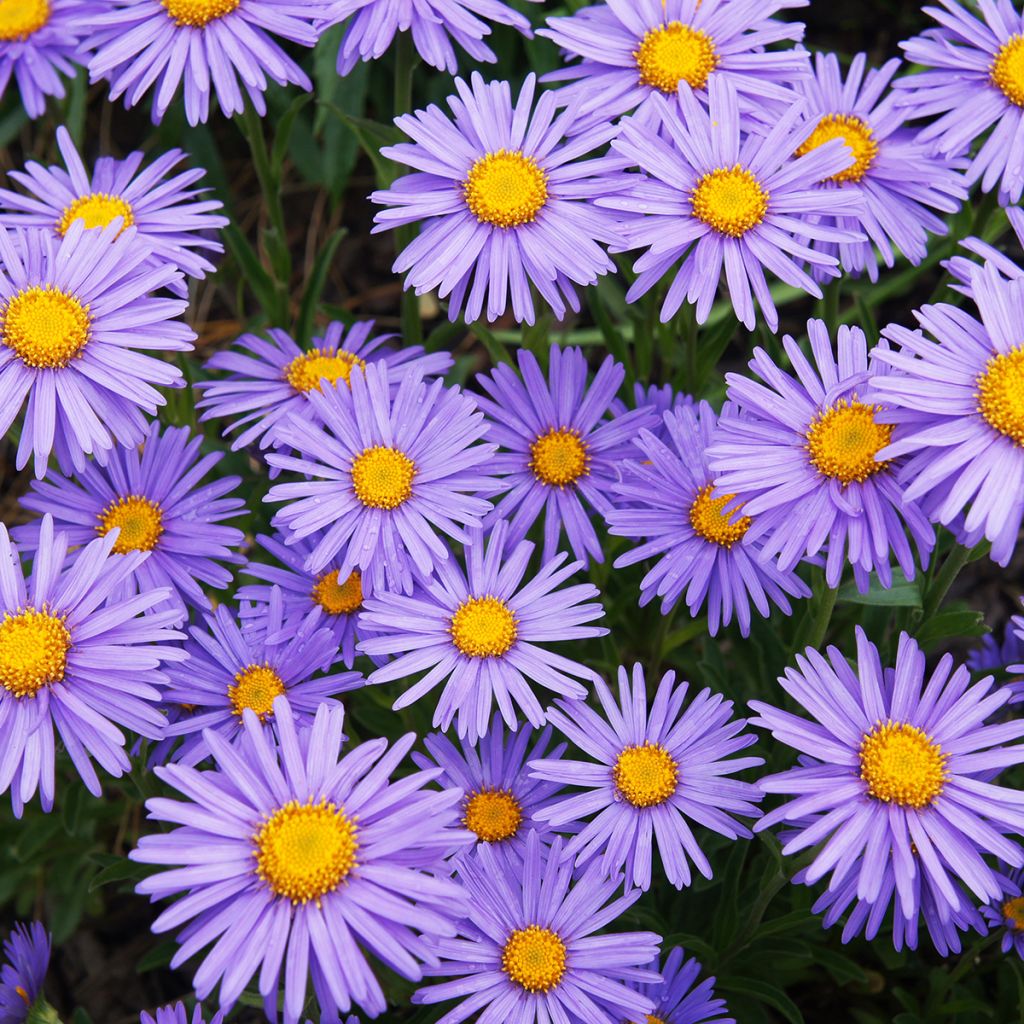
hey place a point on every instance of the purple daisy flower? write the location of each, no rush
(1007, 913)
(271, 378)
(896, 771)
(962, 267)
(385, 469)
(559, 447)
(712, 201)
(802, 451)
(900, 178)
(73, 312)
(155, 499)
(633, 50)
(660, 398)
(27, 952)
(137, 45)
(75, 659)
(655, 773)
(176, 1013)
(958, 411)
(485, 634)
(668, 499)
(291, 860)
(434, 25)
(167, 213)
(976, 83)
(531, 953)
(506, 200)
(230, 670)
(500, 800)
(678, 999)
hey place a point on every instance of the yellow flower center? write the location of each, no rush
(651, 1019)
(339, 598)
(1013, 913)
(309, 370)
(34, 649)
(20, 18)
(1007, 71)
(139, 520)
(559, 457)
(1001, 394)
(97, 210)
(730, 199)
(45, 327)
(902, 765)
(534, 958)
(382, 477)
(255, 688)
(493, 814)
(843, 441)
(198, 13)
(646, 775)
(505, 189)
(675, 53)
(483, 627)
(304, 851)
(710, 522)
(855, 133)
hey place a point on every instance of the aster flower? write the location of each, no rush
(669, 500)
(678, 999)
(958, 411)
(484, 633)
(660, 398)
(73, 312)
(155, 499)
(1007, 914)
(385, 470)
(532, 954)
(896, 771)
(291, 860)
(1003, 657)
(75, 660)
(633, 50)
(900, 178)
(177, 1014)
(974, 79)
(270, 378)
(962, 267)
(505, 198)
(500, 800)
(803, 453)
(654, 774)
(434, 25)
(27, 952)
(166, 212)
(712, 201)
(137, 45)
(230, 670)
(559, 448)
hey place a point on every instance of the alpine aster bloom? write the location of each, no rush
(633, 50)
(992, 656)
(27, 952)
(962, 267)
(559, 446)
(901, 180)
(385, 469)
(484, 633)
(76, 660)
(957, 405)
(896, 771)
(668, 499)
(711, 200)
(270, 378)
(137, 45)
(659, 398)
(177, 1014)
(1007, 913)
(976, 84)
(506, 201)
(73, 312)
(500, 800)
(167, 212)
(678, 999)
(532, 954)
(291, 861)
(155, 499)
(655, 772)
(803, 453)
(230, 670)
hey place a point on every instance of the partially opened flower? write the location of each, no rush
(292, 862)
(27, 952)
(963, 267)
(1002, 657)
(678, 999)
(176, 1013)
(653, 772)
(1006, 914)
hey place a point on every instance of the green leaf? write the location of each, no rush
(766, 993)
(122, 870)
(952, 622)
(373, 137)
(283, 133)
(902, 593)
(315, 286)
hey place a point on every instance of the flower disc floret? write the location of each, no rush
(311, 369)
(198, 13)
(20, 19)
(382, 477)
(484, 627)
(674, 53)
(842, 441)
(857, 135)
(730, 199)
(339, 598)
(494, 815)
(1007, 72)
(96, 210)
(534, 958)
(646, 775)
(506, 189)
(713, 524)
(139, 520)
(255, 688)
(45, 327)
(1001, 394)
(1013, 913)
(559, 457)
(902, 765)
(34, 645)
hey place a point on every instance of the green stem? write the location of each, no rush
(830, 303)
(944, 579)
(405, 63)
(822, 618)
